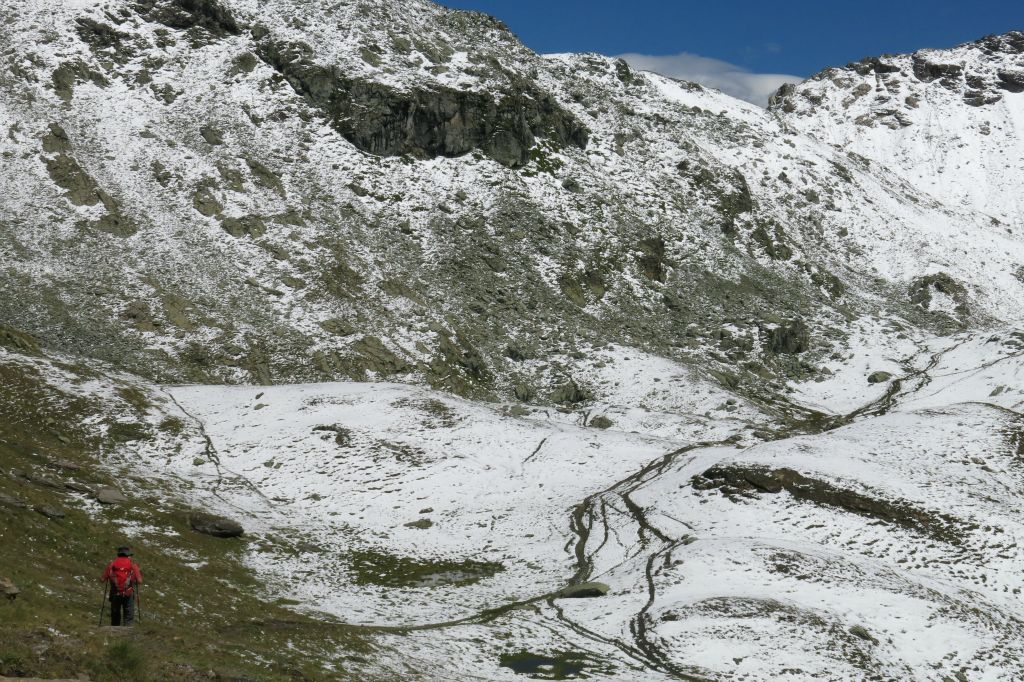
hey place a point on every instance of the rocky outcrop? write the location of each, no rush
(187, 14)
(873, 65)
(427, 122)
(927, 71)
(1007, 43)
(789, 338)
(923, 290)
(740, 479)
(1011, 81)
(80, 188)
(779, 99)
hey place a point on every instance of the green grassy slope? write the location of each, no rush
(202, 610)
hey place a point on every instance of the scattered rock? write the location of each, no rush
(49, 512)
(583, 591)
(601, 422)
(58, 463)
(204, 200)
(217, 526)
(246, 226)
(422, 524)
(879, 377)
(109, 495)
(45, 481)
(9, 589)
(12, 502)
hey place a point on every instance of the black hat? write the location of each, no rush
(124, 550)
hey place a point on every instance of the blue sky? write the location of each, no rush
(792, 38)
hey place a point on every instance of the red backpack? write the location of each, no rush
(122, 576)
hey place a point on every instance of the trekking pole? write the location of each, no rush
(138, 602)
(103, 604)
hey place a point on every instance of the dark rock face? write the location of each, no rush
(873, 65)
(979, 98)
(927, 71)
(81, 188)
(186, 14)
(1008, 43)
(1011, 81)
(427, 123)
(780, 98)
(102, 37)
(217, 526)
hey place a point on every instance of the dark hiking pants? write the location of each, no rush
(122, 605)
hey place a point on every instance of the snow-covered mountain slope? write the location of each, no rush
(242, 191)
(949, 122)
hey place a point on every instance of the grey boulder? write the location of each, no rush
(583, 591)
(108, 495)
(217, 526)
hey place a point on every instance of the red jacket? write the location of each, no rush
(123, 565)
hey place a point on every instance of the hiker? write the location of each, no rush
(122, 576)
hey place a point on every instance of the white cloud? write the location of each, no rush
(714, 73)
